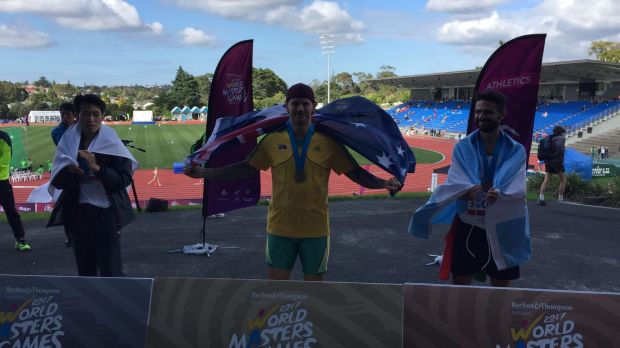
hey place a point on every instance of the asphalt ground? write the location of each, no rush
(574, 247)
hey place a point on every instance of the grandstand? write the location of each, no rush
(574, 94)
(451, 116)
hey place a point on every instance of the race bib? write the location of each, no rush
(478, 205)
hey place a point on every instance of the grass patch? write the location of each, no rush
(29, 216)
(164, 144)
(421, 156)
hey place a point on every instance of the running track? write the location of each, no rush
(178, 186)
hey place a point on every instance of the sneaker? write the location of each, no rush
(21, 245)
(541, 203)
(215, 216)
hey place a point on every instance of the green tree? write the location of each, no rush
(386, 71)
(204, 87)
(43, 82)
(365, 86)
(18, 110)
(345, 84)
(608, 51)
(265, 85)
(11, 92)
(4, 110)
(65, 90)
(277, 98)
(52, 98)
(184, 89)
(320, 92)
(38, 101)
(162, 104)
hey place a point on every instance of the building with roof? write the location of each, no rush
(569, 80)
(44, 116)
(187, 113)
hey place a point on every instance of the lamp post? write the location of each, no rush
(327, 47)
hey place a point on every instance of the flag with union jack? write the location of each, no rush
(355, 122)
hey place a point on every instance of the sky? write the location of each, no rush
(126, 42)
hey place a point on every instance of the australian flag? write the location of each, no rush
(355, 122)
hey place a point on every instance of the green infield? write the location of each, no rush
(421, 156)
(164, 144)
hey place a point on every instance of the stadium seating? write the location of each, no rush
(451, 116)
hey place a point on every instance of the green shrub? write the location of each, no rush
(577, 189)
(613, 198)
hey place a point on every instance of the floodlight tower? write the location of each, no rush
(327, 47)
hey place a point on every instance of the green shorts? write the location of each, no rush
(281, 252)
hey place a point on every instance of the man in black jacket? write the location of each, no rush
(93, 169)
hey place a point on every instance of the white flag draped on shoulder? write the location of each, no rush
(106, 142)
(505, 221)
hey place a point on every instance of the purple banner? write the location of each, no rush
(514, 70)
(231, 95)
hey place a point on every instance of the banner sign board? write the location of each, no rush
(468, 316)
(233, 313)
(45, 311)
(599, 170)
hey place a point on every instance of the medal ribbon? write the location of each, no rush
(300, 159)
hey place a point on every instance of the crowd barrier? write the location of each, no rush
(47, 311)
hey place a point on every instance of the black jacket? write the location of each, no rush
(115, 175)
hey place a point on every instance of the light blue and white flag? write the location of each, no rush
(505, 221)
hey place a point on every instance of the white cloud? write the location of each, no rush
(317, 17)
(196, 37)
(601, 16)
(156, 27)
(350, 38)
(22, 37)
(460, 6)
(251, 9)
(92, 15)
(479, 32)
(570, 27)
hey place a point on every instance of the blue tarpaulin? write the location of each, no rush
(578, 163)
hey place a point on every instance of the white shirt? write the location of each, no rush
(92, 192)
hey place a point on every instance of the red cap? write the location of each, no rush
(300, 90)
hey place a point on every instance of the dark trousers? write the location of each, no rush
(7, 200)
(97, 243)
(69, 233)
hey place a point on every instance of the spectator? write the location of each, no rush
(7, 199)
(555, 165)
(67, 119)
(93, 168)
(155, 178)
